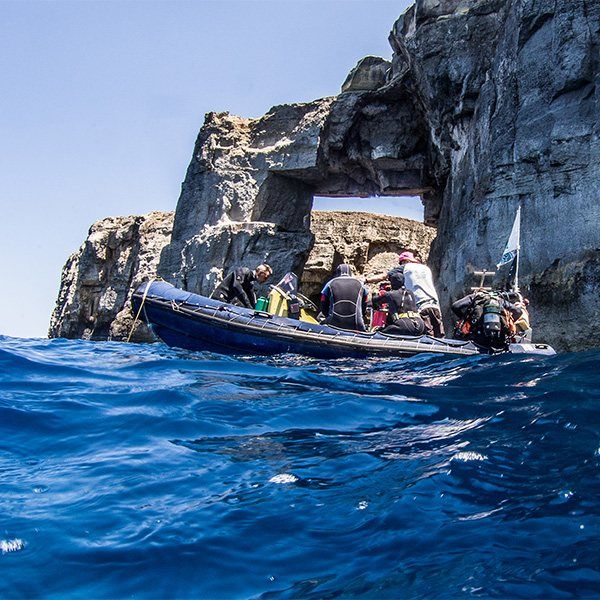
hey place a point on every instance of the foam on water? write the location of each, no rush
(138, 470)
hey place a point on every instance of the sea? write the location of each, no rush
(141, 471)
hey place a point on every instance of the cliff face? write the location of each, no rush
(97, 280)
(486, 105)
(251, 182)
(120, 253)
(368, 242)
(510, 94)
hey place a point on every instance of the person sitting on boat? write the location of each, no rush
(522, 324)
(402, 316)
(238, 286)
(419, 280)
(345, 300)
(487, 318)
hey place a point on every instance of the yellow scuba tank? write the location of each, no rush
(304, 316)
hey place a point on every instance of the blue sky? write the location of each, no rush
(101, 103)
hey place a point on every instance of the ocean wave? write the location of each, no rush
(148, 471)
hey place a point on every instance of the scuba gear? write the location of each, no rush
(379, 317)
(406, 315)
(285, 301)
(462, 329)
(402, 316)
(282, 297)
(487, 319)
(492, 325)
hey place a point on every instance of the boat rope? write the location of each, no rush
(137, 316)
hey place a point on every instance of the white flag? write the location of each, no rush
(513, 245)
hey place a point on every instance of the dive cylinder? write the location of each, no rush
(492, 324)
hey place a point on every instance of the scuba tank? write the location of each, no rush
(496, 324)
(491, 318)
(285, 301)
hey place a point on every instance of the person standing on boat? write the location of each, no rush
(402, 316)
(345, 300)
(418, 279)
(238, 286)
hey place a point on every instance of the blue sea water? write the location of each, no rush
(147, 472)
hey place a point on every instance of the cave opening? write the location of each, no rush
(366, 232)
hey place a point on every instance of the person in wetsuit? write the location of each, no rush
(402, 316)
(345, 300)
(238, 286)
(487, 318)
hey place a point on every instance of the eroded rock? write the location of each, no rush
(370, 243)
(98, 280)
(486, 105)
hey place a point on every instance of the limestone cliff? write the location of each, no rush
(97, 280)
(510, 94)
(486, 105)
(122, 252)
(371, 243)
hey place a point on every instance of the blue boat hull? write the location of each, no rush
(193, 322)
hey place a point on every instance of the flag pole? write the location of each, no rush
(516, 283)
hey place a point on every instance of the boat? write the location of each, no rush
(190, 321)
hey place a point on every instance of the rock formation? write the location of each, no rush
(120, 253)
(510, 94)
(486, 105)
(117, 256)
(371, 243)
(252, 181)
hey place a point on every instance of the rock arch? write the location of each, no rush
(248, 192)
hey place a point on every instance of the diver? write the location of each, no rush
(402, 316)
(487, 318)
(419, 280)
(238, 286)
(345, 300)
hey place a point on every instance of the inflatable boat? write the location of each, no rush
(185, 320)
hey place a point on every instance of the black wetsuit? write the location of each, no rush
(344, 300)
(237, 288)
(402, 317)
(471, 308)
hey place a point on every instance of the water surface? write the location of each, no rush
(138, 470)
